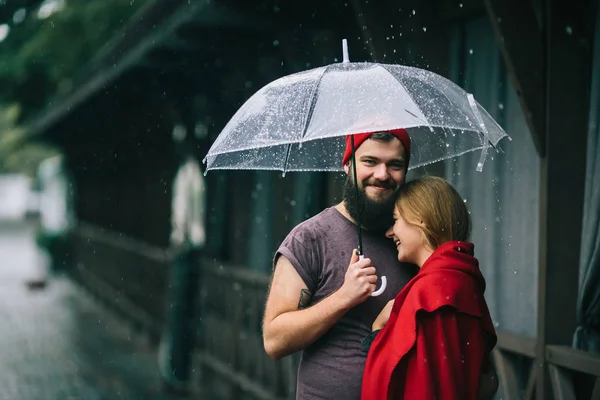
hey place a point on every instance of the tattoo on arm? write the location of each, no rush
(305, 297)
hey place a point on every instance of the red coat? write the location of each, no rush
(439, 335)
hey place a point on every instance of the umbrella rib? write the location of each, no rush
(407, 92)
(313, 102)
(287, 156)
(311, 109)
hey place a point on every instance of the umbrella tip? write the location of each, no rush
(345, 50)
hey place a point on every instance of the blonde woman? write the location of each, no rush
(437, 341)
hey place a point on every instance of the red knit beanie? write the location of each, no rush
(359, 138)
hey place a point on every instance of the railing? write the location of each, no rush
(574, 374)
(131, 277)
(231, 355)
(513, 357)
(127, 275)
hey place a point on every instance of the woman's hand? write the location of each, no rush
(383, 316)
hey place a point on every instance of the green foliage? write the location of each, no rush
(38, 60)
(17, 154)
(39, 57)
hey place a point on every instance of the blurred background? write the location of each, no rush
(108, 107)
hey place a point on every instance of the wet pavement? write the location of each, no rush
(58, 343)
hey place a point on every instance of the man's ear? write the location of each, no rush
(347, 167)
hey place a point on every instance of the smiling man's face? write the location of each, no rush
(380, 169)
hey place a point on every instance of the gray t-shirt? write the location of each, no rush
(320, 249)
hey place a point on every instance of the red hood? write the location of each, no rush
(454, 256)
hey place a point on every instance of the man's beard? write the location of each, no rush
(374, 214)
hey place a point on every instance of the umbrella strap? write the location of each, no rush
(358, 223)
(482, 158)
(484, 130)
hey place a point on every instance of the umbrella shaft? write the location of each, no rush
(358, 223)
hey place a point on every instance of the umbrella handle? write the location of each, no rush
(379, 291)
(382, 288)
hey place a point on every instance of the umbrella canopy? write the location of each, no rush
(298, 122)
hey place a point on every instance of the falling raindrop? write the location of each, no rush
(501, 106)
(424, 29)
(569, 30)
(413, 12)
(470, 51)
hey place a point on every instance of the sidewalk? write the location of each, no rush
(57, 343)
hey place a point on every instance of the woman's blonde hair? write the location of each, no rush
(433, 205)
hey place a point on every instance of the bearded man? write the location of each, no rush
(318, 303)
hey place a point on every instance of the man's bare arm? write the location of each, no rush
(290, 324)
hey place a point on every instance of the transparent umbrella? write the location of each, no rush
(299, 122)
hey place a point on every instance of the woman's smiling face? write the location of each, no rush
(409, 240)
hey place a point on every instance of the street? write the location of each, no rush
(57, 342)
